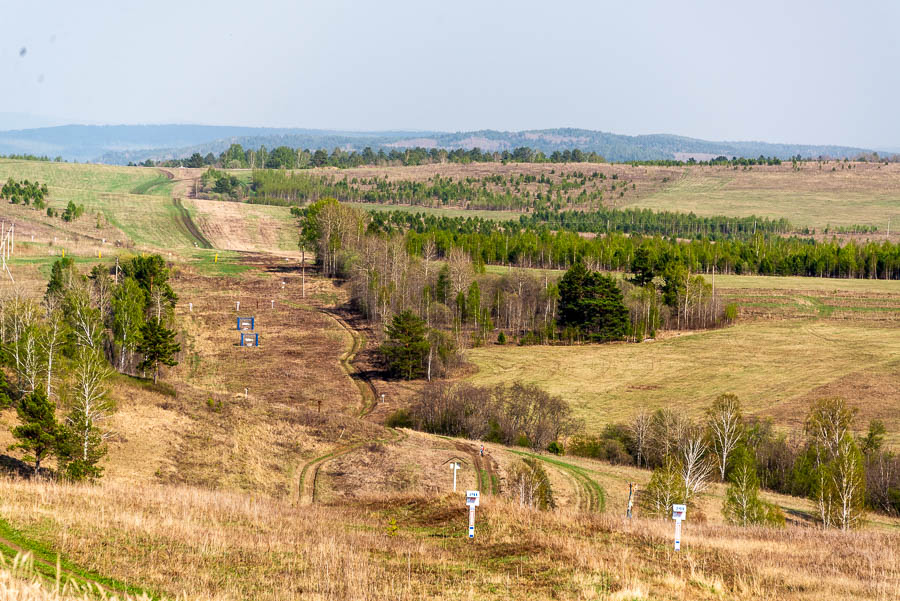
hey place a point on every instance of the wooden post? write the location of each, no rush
(630, 500)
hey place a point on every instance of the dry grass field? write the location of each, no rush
(866, 194)
(196, 543)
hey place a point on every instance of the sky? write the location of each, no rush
(799, 72)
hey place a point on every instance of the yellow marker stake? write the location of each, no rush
(64, 253)
(99, 254)
(217, 258)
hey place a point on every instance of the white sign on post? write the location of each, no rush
(678, 514)
(472, 499)
(455, 467)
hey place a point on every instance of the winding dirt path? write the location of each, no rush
(369, 399)
(486, 468)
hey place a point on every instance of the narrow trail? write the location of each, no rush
(309, 475)
(183, 186)
(486, 469)
(184, 219)
(366, 388)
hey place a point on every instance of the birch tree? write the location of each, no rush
(725, 429)
(83, 318)
(848, 484)
(53, 338)
(695, 465)
(640, 433)
(89, 408)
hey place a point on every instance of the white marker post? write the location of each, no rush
(455, 467)
(273, 304)
(678, 514)
(472, 499)
(191, 307)
(237, 305)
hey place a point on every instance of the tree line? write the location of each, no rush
(285, 157)
(520, 192)
(600, 221)
(757, 254)
(63, 351)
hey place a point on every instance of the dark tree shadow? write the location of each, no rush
(15, 467)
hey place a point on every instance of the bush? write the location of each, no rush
(731, 312)
(501, 338)
(606, 449)
(399, 419)
(555, 448)
(529, 483)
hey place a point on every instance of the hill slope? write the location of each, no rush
(119, 144)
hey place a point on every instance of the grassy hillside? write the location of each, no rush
(137, 207)
(774, 367)
(195, 542)
(812, 197)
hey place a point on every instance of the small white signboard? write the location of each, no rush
(472, 498)
(678, 514)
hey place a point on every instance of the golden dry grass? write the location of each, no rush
(198, 543)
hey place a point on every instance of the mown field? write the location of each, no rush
(775, 366)
(867, 194)
(135, 207)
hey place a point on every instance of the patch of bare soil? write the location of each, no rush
(418, 463)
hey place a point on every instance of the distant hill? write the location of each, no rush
(119, 144)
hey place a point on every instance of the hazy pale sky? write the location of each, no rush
(802, 72)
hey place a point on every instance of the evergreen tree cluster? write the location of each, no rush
(25, 192)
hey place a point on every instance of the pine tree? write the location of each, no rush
(406, 349)
(592, 303)
(39, 431)
(158, 347)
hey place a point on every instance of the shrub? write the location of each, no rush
(399, 419)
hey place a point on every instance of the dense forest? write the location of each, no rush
(530, 243)
(493, 192)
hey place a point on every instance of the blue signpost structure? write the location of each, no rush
(247, 326)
